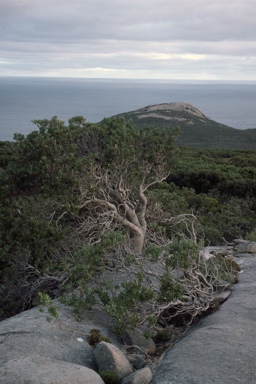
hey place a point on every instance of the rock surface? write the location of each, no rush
(165, 111)
(27, 370)
(30, 336)
(244, 246)
(136, 356)
(221, 348)
(110, 358)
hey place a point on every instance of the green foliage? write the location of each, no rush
(45, 161)
(170, 289)
(169, 198)
(134, 290)
(92, 259)
(38, 189)
(136, 154)
(152, 252)
(219, 186)
(122, 140)
(80, 302)
(26, 225)
(123, 317)
(131, 293)
(182, 254)
(109, 377)
(46, 301)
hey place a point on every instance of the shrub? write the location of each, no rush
(109, 377)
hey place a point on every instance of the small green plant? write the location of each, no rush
(109, 377)
(46, 301)
(95, 337)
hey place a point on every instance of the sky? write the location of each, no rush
(139, 39)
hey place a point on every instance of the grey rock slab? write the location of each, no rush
(27, 370)
(142, 376)
(221, 348)
(243, 246)
(30, 334)
(110, 358)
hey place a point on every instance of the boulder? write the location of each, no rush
(222, 296)
(136, 337)
(110, 358)
(136, 356)
(137, 361)
(244, 246)
(142, 376)
(29, 370)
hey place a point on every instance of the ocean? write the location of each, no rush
(25, 99)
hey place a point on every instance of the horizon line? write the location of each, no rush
(129, 79)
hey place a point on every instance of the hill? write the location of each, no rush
(197, 130)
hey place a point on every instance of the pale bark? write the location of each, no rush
(126, 217)
(114, 201)
(137, 241)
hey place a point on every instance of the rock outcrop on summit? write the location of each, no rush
(167, 111)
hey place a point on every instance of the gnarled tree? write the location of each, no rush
(122, 163)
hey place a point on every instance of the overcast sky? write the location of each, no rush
(151, 39)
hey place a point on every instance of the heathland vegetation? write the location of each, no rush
(81, 201)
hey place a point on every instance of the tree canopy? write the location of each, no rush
(122, 163)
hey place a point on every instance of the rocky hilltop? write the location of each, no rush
(197, 130)
(168, 111)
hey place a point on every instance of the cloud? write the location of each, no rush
(148, 38)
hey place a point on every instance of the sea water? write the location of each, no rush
(25, 99)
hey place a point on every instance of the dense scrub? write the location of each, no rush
(220, 187)
(75, 197)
